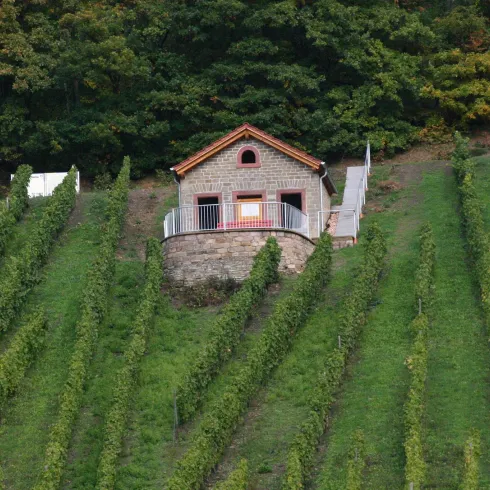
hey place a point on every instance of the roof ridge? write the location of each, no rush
(197, 157)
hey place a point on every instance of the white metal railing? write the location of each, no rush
(324, 216)
(348, 212)
(235, 216)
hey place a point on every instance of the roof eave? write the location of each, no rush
(246, 130)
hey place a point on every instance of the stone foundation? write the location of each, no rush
(342, 242)
(195, 257)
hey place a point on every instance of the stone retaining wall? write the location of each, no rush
(195, 257)
(342, 242)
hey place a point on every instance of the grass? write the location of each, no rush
(87, 442)
(29, 414)
(157, 455)
(459, 365)
(457, 389)
(176, 337)
(374, 390)
(371, 397)
(27, 419)
(114, 333)
(278, 410)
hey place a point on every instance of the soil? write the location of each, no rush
(76, 216)
(144, 206)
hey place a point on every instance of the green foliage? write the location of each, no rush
(212, 292)
(459, 83)
(115, 421)
(472, 452)
(18, 201)
(90, 82)
(94, 304)
(356, 462)
(14, 362)
(22, 271)
(415, 467)
(354, 309)
(424, 276)
(471, 211)
(219, 423)
(103, 182)
(237, 480)
(165, 178)
(463, 26)
(226, 332)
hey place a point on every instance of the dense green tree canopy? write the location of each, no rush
(85, 82)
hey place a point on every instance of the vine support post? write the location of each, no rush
(176, 416)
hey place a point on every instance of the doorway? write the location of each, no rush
(290, 218)
(208, 212)
(294, 199)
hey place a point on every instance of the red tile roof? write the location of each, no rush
(247, 130)
(243, 130)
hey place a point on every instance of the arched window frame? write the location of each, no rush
(243, 149)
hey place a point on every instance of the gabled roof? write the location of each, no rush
(245, 131)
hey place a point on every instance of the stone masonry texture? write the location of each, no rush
(219, 174)
(195, 257)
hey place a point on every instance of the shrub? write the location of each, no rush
(20, 353)
(226, 331)
(115, 421)
(164, 177)
(18, 202)
(356, 462)
(237, 480)
(103, 182)
(471, 210)
(212, 292)
(471, 459)
(219, 423)
(354, 309)
(22, 271)
(94, 303)
(415, 466)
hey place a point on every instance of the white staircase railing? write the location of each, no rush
(235, 216)
(346, 211)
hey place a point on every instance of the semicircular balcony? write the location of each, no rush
(236, 216)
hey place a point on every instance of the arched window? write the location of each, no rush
(248, 156)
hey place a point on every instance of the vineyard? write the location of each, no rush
(369, 370)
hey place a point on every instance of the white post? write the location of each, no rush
(224, 216)
(173, 221)
(369, 156)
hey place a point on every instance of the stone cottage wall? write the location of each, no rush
(195, 257)
(219, 174)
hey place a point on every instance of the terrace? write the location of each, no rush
(236, 216)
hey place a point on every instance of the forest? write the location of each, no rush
(86, 82)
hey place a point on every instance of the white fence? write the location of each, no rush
(235, 216)
(45, 184)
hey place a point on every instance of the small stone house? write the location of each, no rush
(248, 168)
(235, 193)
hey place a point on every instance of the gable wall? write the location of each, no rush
(219, 174)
